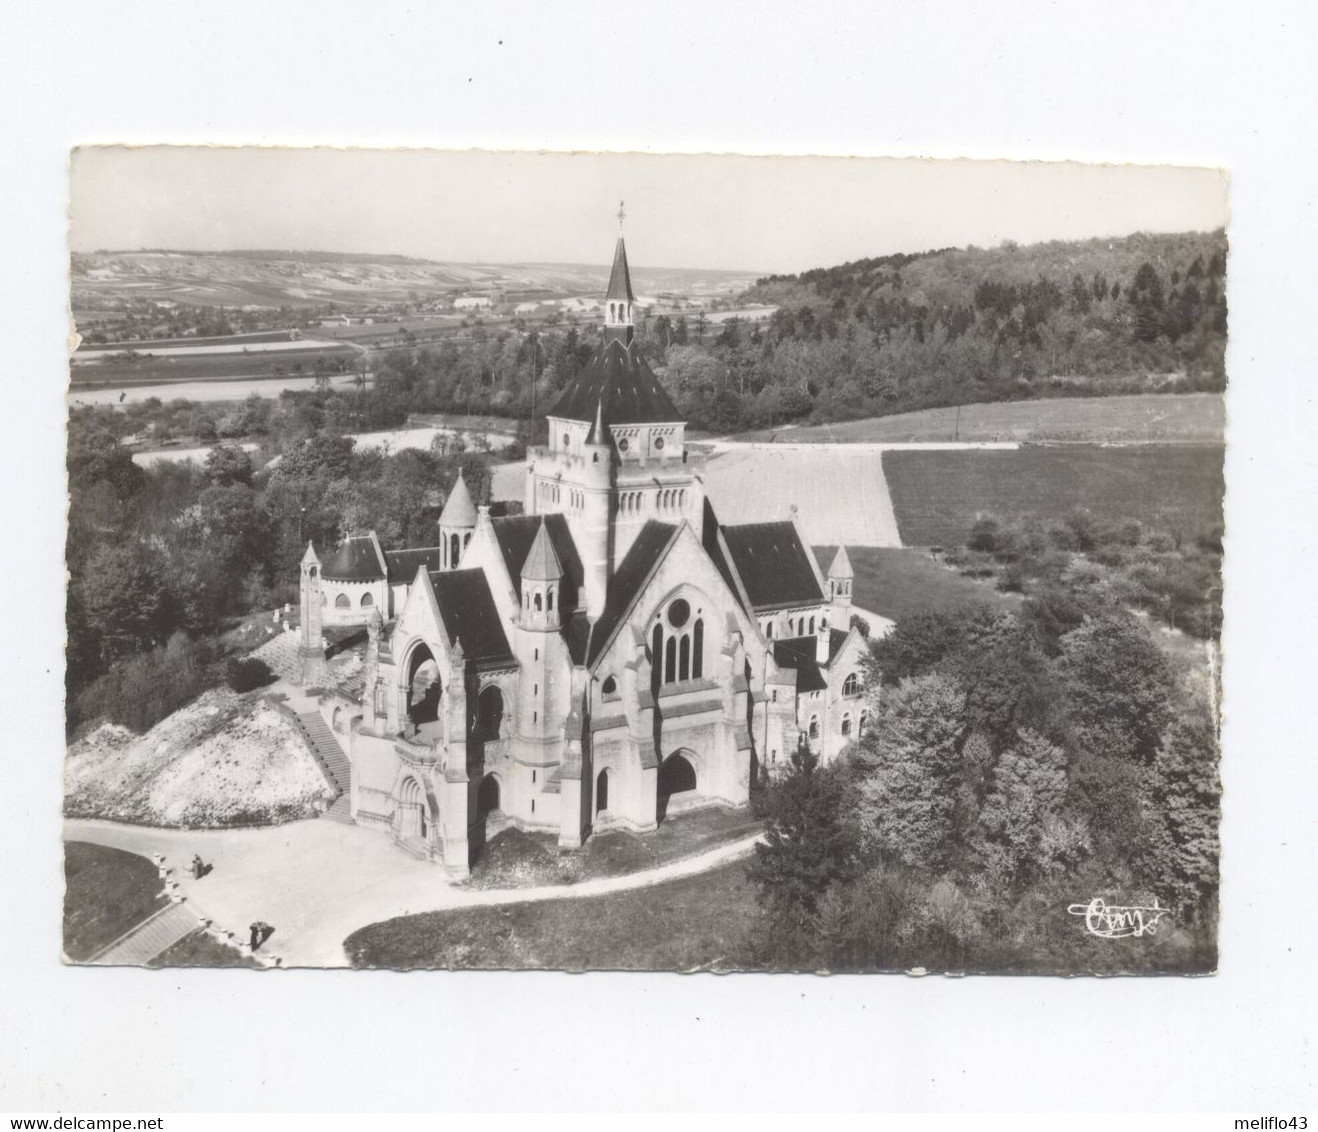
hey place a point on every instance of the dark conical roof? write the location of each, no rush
(617, 386)
(620, 279)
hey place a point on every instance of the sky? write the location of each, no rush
(761, 214)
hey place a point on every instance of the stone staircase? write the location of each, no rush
(333, 761)
(150, 938)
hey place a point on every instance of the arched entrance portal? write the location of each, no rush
(412, 810)
(487, 797)
(489, 712)
(676, 777)
(423, 688)
(602, 792)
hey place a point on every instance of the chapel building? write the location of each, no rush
(611, 656)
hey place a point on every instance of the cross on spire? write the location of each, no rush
(621, 215)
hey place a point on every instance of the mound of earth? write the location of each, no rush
(223, 760)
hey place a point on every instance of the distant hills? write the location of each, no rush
(262, 277)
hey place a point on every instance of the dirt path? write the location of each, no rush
(317, 882)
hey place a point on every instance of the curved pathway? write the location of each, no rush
(317, 882)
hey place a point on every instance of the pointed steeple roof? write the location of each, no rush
(841, 567)
(620, 279)
(542, 564)
(459, 510)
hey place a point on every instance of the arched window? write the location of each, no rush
(465, 540)
(812, 626)
(679, 642)
(768, 629)
(851, 685)
(454, 550)
(846, 723)
(539, 601)
(342, 602)
(610, 686)
(367, 601)
(814, 727)
(549, 601)
(657, 653)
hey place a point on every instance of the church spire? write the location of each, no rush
(618, 299)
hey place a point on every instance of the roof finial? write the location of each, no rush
(621, 215)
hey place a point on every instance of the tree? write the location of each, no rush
(228, 464)
(95, 456)
(124, 598)
(1119, 688)
(910, 772)
(1182, 800)
(1146, 296)
(1023, 830)
(320, 455)
(810, 841)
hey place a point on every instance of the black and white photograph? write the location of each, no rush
(596, 558)
(514, 560)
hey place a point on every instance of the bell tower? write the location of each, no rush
(618, 299)
(311, 647)
(617, 456)
(456, 523)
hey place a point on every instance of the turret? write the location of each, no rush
(456, 523)
(542, 579)
(840, 577)
(311, 648)
(596, 504)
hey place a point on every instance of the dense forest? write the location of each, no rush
(1016, 770)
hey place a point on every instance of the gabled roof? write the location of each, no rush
(617, 386)
(773, 565)
(403, 564)
(620, 279)
(470, 616)
(459, 510)
(644, 557)
(841, 567)
(514, 535)
(358, 559)
(542, 564)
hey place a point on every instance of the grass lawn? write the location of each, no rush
(897, 582)
(937, 496)
(701, 922)
(1146, 418)
(200, 949)
(516, 859)
(106, 892)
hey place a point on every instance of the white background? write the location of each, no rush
(1197, 83)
